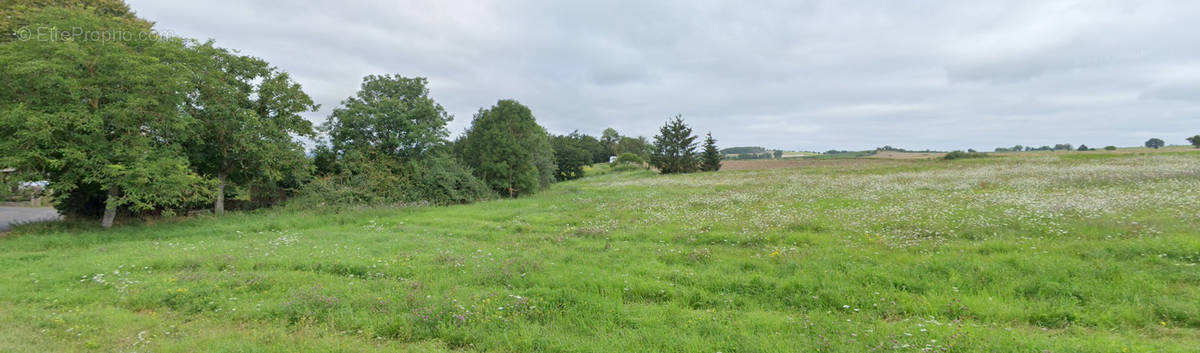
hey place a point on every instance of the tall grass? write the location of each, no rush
(1044, 253)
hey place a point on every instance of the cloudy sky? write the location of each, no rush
(803, 75)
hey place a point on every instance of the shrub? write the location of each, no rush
(437, 179)
(1110, 148)
(627, 162)
(961, 154)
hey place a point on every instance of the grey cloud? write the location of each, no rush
(789, 74)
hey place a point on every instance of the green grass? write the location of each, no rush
(1014, 254)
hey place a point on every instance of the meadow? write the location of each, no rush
(1067, 252)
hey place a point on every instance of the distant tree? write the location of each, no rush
(390, 115)
(675, 148)
(636, 145)
(248, 114)
(1110, 148)
(570, 155)
(1063, 147)
(99, 119)
(598, 151)
(610, 138)
(1195, 140)
(778, 154)
(710, 159)
(1155, 143)
(1083, 148)
(508, 150)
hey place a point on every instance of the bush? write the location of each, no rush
(627, 162)
(1110, 148)
(437, 179)
(961, 154)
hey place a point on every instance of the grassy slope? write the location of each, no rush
(1000, 254)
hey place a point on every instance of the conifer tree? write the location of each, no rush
(710, 160)
(675, 148)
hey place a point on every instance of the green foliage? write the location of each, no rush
(571, 155)
(961, 155)
(15, 14)
(1155, 143)
(106, 113)
(436, 179)
(248, 116)
(610, 138)
(388, 147)
(675, 148)
(1110, 148)
(636, 145)
(508, 150)
(1084, 148)
(391, 116)
(710, 159)
(778, 154)
(1194, 140)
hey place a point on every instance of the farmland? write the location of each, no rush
(1026, 252)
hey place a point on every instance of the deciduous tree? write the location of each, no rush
(98, 114)
(508, 149)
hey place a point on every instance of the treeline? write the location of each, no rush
(144, 125)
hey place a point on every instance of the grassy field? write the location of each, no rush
(1091, 252)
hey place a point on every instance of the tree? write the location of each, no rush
(14, 14)
(391, 116)
(710, 159)
(635, 145)
(248, 114)
(1110, 148)
(570, 155)
(675, 148)
(508, 150)
(1195, 140)
(778, 154)
(1155, 143)
(1083, 148)
(610, 138)
(99, 119)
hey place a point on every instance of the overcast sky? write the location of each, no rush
(803, 75)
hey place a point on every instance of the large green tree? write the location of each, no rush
(1155, 143)
(98, 115)
(1194, 140)
(507, 148)
(249, 116)
(675, 148)
(391, 115)
(710, 159)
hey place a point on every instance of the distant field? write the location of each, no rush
(1026, 253)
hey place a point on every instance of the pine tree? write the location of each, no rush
(710, 160)
(675, 148)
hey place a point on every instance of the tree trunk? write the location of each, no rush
(110, 207)
(219, 204)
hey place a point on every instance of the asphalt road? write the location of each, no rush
(17, 215)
